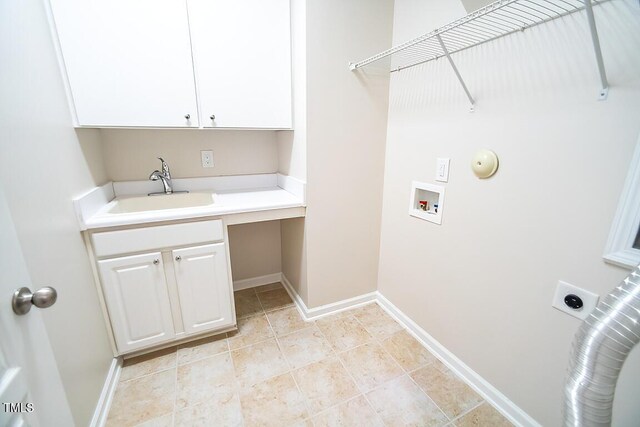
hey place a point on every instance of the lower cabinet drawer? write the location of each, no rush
(111, 243)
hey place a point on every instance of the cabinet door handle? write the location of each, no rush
(156, 261)
(178, 258)
(212, 117)
(187, 116)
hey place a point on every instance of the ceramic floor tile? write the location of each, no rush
(247, 303)
(450, 393)
(148, 363)
(250, 331)
(143, 399)
(274, 402)
(287, 320)
(343, 333)
(370, 365)
(325, 383)
(222, 410)
(356, 412)
(483, 415)
(376, 321)
(258, 362)
(407, 351)
(199, 349)
(274, 299)
(304, 347)
(205, 380)
(401, 403)
(164, 421)
(269, 287)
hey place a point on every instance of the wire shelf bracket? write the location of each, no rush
(491, 22)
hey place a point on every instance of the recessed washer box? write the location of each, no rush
(427, 201)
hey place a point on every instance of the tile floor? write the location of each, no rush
(355, 368)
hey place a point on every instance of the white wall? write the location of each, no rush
(346, 122)
(43, 166)
(482, 282)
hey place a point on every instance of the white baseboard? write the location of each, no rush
(99, 418)
(328, 309)
(491, 394)
(252, 282)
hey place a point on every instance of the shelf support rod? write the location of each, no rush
(596, 47)
(455, 70)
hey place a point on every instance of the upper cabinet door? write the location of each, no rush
(128, 61)
(242, 59)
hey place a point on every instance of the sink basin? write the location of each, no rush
(162, 202)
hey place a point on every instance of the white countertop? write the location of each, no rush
(93, 208)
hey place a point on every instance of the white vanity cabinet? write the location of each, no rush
(162, 284)
(136, 293)
(203, 287)
(176, 63)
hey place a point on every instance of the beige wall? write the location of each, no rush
(255, 249)
(346, 126)
(482, 282)
(43, 166)
(130, 154)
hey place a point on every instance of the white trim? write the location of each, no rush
(619, 249)
(315, 313)
(293, 186)
(101, 412)
(252, 282)
(491, 394)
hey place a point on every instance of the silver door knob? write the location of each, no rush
(187, 116)
(178, 258)
(212, 117)
(156, 261)
(23, 299)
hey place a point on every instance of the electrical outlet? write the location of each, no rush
(207, 158)
(573, 300)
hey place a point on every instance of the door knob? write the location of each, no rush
(187, 116)
(23, 299)
(212, 117)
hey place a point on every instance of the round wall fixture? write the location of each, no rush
(484, 163)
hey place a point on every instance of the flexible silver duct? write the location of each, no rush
(600, 347)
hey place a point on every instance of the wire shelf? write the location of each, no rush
(489, 23)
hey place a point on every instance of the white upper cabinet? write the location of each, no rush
(242, 60)
(152, 63)
(128, 61)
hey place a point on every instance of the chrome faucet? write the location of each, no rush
(164, 176)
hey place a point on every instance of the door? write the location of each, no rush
(31, 391)
(242, 59)
(204, 287)
(128, 61)
(137, 299)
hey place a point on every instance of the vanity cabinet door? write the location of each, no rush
(242, 60)
(128, 62)
(137, 299)
(204, 287)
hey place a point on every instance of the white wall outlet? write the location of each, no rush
(566, 291)
(442, 170)
(207, 158)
